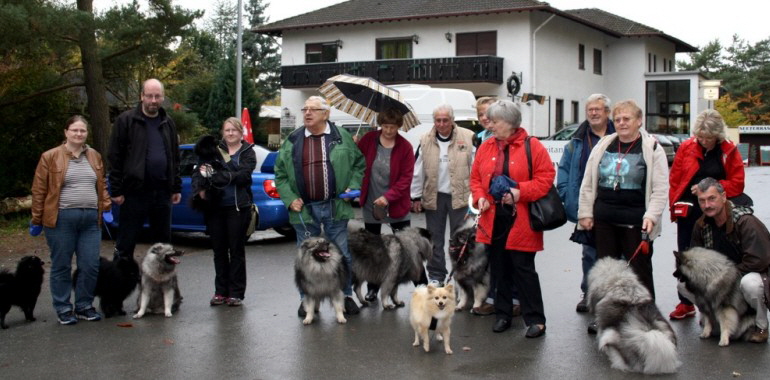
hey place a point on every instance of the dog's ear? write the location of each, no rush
(431, 288)
(424, 232)
(449, 288)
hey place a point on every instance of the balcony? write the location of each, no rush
(465, 69)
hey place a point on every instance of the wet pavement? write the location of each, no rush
(265, 339)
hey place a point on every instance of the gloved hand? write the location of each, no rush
(350, 194)
(35, 229)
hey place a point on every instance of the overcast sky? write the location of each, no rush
(693, 21)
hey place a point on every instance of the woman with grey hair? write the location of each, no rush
(504, 223)
(706, 154)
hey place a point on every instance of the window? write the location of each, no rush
(575, 111)
(321, 52)
(479, 43)
(654, 63)
(668, 107)
(559, 114)
(649, 62)
(597, 61)
(670, 65)
(394, 48)
(664, 65)
(581, 57)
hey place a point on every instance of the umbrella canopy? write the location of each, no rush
(364, 98)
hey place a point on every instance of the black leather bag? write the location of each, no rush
(546, 213)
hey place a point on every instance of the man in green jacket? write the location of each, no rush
(316, 164)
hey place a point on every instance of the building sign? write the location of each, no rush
(754, 129)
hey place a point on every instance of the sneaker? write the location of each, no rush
(582, 306)
(217, 300)
(682, 311)
(232, 301)
(484, 309)
(89, 314)
(67, 318)
(758, 335)
(351, 308)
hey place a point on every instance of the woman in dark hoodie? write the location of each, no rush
(225, 188)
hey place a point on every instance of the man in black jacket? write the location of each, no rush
(144, 169)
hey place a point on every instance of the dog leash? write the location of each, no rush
(464, 248)
(644, 248)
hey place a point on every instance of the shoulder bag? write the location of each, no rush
(546, 213)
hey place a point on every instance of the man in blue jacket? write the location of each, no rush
(573, 165)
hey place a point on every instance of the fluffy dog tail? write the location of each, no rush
(658, 350)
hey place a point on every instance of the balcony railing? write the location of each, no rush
(392, 71)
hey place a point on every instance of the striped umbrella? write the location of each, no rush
(364, 98)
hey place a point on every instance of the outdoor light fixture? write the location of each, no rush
(339, 43)
(415, 38)
(448, 36)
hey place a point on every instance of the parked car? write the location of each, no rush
(271, 212)
(564, 134)
(665, 143)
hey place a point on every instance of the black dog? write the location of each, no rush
(208, 154)
(22, 288)
(117, 280)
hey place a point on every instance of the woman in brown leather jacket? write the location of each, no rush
(69, 192)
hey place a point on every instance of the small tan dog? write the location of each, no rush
(432, 302)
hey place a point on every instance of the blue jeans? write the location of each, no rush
(335, 230)
(589, 259)
(77, 231)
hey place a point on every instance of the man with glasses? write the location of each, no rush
(440, 184)
(316, 164)
(572, 167)
(144, 173)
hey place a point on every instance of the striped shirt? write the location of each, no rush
(79, 188)
(315, 168)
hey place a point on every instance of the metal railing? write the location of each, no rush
(466, 69)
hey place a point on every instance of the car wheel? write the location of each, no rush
(287, 231)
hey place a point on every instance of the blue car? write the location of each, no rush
(271, 212)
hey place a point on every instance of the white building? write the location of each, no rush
(483, 45)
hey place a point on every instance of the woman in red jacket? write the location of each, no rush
(706, 154)
(385, 194)
(504, 223)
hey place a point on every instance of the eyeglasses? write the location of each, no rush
(312, 110)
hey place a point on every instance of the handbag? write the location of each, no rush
(253, 222)
(546, 213)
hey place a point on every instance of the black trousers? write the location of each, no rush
(515, 269)
(227, 229)
(684, 228)
(621, 242)
(153, 206)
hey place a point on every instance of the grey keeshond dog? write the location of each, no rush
(159, 288)
(714, 282)
(388, 260)
(631, 330)
(319, 273)
(470, 264)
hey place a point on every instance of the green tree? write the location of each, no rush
(221, 99)
(707, 59)
(262, 60)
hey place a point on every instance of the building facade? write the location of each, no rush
(547, 59)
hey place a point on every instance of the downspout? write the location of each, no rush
(533, 69)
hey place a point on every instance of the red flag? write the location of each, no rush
(246, 121)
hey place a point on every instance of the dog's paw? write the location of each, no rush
(426, 347)
(400, 304)
(724, 342)
(448, 351)
(439, 337)
(416, 343)
(706, 333)
(31, 319)
(307, 321)
(388, 306)
(168, 314)
(342, 320)
(3, 327)
(138, 315)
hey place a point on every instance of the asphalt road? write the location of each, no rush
(264, 339)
